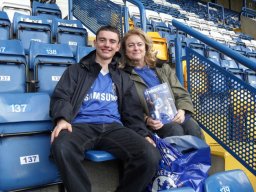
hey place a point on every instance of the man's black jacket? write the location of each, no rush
(76, 82)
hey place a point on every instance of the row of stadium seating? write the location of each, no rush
(218, 58)
(41, 29)
(26, 123)
(27, 8)
(25, 127)
(46, 62)
(160, 21)
(181, 8)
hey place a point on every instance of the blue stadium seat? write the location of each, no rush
(25, 142)
(189, 40)
(244, 68)
(237, 72)
(82, 51)
(137, 23)
(182, 189)
(13, 6)
(198, 47)
(161, 28)
(251, 56)
(48, 61)
(231, 66)
(237, 47)
(233, 180)
(47, 9)
(171, 45)
(70, 32)
(250, 77)
(5, 26)
(213, 55)
(13, 66)
(31, 28)
(98, 156)
(227, 62)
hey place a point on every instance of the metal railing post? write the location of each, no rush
(178, 63)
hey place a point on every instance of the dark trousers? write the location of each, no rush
(188, 127)
(140, 159)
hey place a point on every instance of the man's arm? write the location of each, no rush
(60, 105)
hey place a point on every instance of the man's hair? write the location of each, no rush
(108, 28)
(150, 57)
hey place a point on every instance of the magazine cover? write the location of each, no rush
(160, 103)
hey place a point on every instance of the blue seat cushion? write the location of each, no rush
(182, 189)
(98, 156)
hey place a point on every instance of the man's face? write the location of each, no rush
(106, 44)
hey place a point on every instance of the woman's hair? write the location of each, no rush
(150, 56)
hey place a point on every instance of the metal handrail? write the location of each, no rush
(142, 13)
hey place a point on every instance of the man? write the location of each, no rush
(95, 106)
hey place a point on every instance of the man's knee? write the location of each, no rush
(151, 157)
(171, 129)
(60, 148)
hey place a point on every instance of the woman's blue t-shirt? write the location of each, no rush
(148, 75)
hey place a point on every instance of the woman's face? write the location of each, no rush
(135, 49)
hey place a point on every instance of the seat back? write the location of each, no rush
(70, 32)
(31, 28)
(83, 51)
(161, 28)
(49, 61)
(227, 62)
(213, 55)
(47, 9)
(137, 23)
(13, 66)
(13, 6)
(252, 56)
(5, 26)
(25, 142)
(233, 180)
(198, 47)
(250, 77)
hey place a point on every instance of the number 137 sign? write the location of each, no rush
(29, 159)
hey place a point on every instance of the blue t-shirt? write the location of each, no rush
(100, 103)
(148, 75)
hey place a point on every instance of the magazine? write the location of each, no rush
(160, 103)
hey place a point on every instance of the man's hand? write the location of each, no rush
(61, 124)
(150, 141)
(179, 117)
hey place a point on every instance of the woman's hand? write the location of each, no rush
(154, 124)
(61, 124)
(179, 117)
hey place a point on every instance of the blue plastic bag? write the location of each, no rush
(185, 163)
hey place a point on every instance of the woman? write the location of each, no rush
(139, 60)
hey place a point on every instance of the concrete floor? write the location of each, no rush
(47, 189)
(104, 177)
